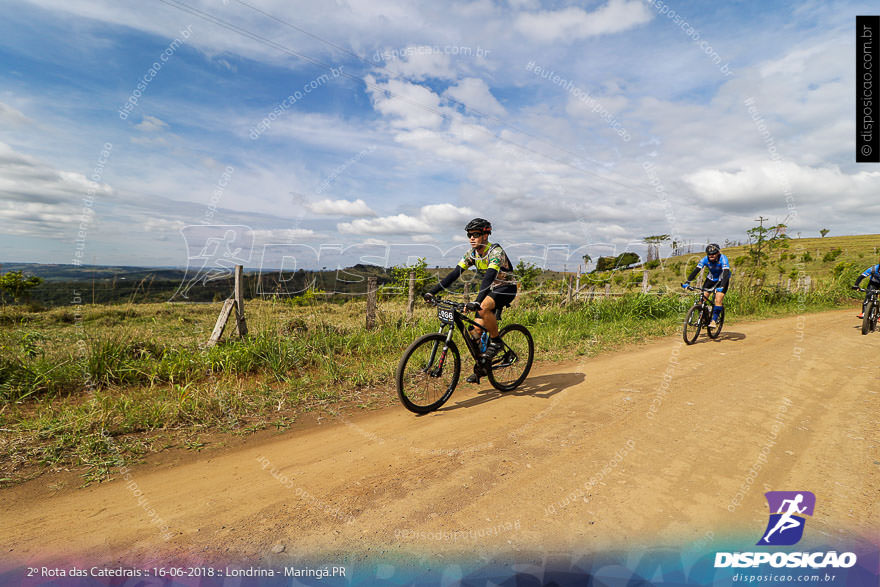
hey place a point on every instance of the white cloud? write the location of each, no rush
(572, 23)
(759, 182)
(416, 63)
(592, 107)
(409, 105)
(282, 235)
(151, 124)
(475, 95)
(227, 65)
(432, 218)
(9, 116)
(400, 224)
(26, 179)
(340, 208)
(154, 224)
(446, 214)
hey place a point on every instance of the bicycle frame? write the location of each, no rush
(702, 298)
(458, 323)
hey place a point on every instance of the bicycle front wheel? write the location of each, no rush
(426, 377)
(692, 324)
(715, 332)
(866, 321)
(512, 364)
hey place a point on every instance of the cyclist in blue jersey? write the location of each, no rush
(718, 276)
(873, 275)
(497, 289)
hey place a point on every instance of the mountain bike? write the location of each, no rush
(700, 316)
(430, 367)
(869, 322)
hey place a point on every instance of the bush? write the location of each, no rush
(831, 255)
(308, 298)
(526, 275)
(806, 257)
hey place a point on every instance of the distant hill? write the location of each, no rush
(51, 272)
(117, 284)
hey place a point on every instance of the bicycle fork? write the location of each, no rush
(436, 370)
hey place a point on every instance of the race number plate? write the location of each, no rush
(446, 316)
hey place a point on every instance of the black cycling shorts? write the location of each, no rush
(723, 285)
(503, 295)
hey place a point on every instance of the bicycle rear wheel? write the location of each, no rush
(425, 377)
(715, 332)
(512, 364)
(692, 324)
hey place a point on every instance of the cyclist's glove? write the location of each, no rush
(428, 297)
(855, 287)
(685, 285)
(473, 306)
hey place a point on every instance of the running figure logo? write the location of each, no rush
(787, 510)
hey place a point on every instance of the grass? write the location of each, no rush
(86, 386)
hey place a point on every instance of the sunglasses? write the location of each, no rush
(475, 234)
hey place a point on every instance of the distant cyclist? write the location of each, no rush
(718, 276)
(497, 289)
(873, 275)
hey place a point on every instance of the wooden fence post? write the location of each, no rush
(372, 288)
(236, 302)
(645, 281)
(577, 284)
(568, 299)
(467, 291)
(221, 322)
(607, 289)
(239, 301)
(411, 299)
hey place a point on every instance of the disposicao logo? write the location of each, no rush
(786, 525)
(785, 528)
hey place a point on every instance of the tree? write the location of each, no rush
(625, 260)
(587, 260)
(621, 261)
(15, 284)
(400, 278)
(761, 239)
(526, 275)
(653, 243)
(823, 232)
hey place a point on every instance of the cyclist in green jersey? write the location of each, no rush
(497, 288)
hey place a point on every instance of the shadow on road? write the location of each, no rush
(540, 386)
(725, 336)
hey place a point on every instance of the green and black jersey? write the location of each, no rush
(494, 258)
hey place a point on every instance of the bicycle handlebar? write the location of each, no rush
(703, 289)
(457, 306)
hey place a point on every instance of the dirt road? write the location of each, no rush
(660, 444)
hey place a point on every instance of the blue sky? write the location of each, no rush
(436, 117)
